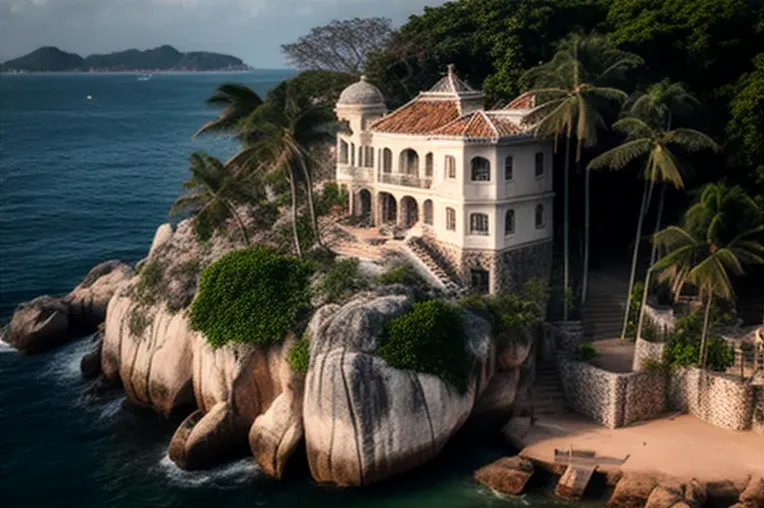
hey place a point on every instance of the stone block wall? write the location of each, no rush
(757, 422)
(645, 351)
(610, 398)
(719, 399)
(508, 270)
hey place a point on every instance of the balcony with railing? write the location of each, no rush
(356, 174)
(405, 180)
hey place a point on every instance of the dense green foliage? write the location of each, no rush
(684, 343)
(635, 307)
(251, 296)
(342, 280)
(332, 196)
(151, 281)
(299, 356)
(406, 275)
(586, 352)
(429, 339)
(510, 314)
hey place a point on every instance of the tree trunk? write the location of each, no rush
(587, 206)
(293, 187)
(311, 206)
(566, 232)
(654, 255)
(703, 337)
(242, 229)
(645, 203)
(653, 260)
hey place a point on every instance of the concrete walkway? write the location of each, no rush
(681, 446)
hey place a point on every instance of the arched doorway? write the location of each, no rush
(410, 211)
(388, 208)
(364, 203)
(428, 212)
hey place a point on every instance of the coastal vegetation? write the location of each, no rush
(429, 339)
(252, 296)
(299, 356)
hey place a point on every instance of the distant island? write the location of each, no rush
(163, 58)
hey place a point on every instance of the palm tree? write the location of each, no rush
(212, 194)
(570, 89)
(280, 134)
(645, 140)
(712, 245)
(238, 102)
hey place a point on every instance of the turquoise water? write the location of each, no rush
(82, 181)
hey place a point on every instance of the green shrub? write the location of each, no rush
(508, 314)
(683, 348)
(331, 196)
(251, 296)
(586, 352)
(342, 280)
(284, 235)
(654, 366)
(151, 282)
(429, 339)
(406, 275)
(299, 356)
(635, 307)
(138, 321)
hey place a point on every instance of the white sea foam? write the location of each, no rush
(64, 366)
(229, 475)
(111, 409)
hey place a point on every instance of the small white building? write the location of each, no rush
(475, 182)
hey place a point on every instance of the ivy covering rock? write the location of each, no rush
(251, 296)
(429, 339)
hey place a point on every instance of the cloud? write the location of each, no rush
(250, 29)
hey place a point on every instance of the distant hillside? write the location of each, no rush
(163, 58)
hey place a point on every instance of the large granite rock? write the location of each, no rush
(753, 494)
(632, 491)
(46, 322)
(39, 325)
(366, 421)
(275, 435)
(508, 475)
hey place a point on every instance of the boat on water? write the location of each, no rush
(145, 77)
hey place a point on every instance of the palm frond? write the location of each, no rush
(634, 127)
(691, 140)
(620, 156)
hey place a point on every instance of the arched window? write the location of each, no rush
(408, 163)
(387, 160)
(361, 161)
(428, 212)
(539, 164)
(450, 166)
(479, 224)
(509, 223)
(428, 165)
(481, 170)
(343, 152)
(509, 169)
(540, 222)
(368, 157)
(450, 219)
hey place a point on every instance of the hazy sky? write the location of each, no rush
(249, 29)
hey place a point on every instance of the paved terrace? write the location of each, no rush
(681, 446)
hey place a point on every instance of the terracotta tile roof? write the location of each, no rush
(419, 116)
(524, 101)
(480, 124)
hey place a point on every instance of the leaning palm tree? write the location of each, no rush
(711, 246)
(212, 194)
(572, 95)
(238, 102)
(279, 135)
(657, 146)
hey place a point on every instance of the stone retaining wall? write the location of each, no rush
(645, 351)
(612, 399)
(757, 423)
(719, 399)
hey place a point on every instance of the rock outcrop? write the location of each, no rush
(632, 491)
(753, 494)
(508, 475)
(47, 321)
(366, 421)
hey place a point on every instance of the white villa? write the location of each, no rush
(474, 182)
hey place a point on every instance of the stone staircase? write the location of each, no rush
(605, 305)
(546, 395)
(437, 267)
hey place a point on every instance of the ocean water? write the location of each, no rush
(86, 180)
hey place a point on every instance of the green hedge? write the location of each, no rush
(684, 343)
(343, 278)
(429, 339)
(299, 356)
(251, 296)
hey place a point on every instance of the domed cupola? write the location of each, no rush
(362, 94)
(360, 105)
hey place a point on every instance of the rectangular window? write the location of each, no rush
(509, 223)
(450, 219)
(540, 219)
(479, 224)
(371, 157)
(450, 166)
(539, 164)
(509, 169)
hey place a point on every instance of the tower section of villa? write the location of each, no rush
(475, 183)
